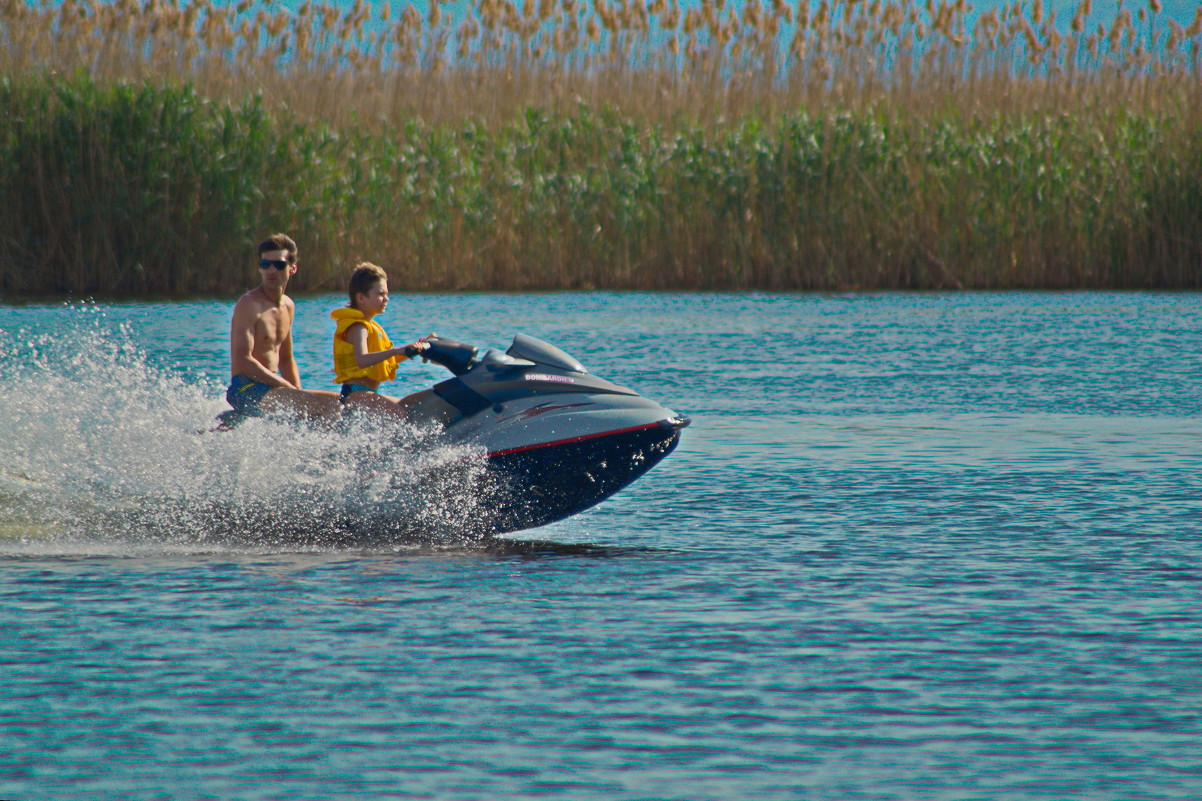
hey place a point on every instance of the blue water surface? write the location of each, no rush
(939, 546)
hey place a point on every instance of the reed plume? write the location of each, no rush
(638, 144)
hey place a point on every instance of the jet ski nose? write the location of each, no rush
(677, 422)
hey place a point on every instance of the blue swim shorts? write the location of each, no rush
(348, 388)
(245, 393)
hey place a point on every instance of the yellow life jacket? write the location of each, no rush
(345, 368)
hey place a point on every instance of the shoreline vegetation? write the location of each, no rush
(146, 147)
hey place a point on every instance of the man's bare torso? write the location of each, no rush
(272, 325)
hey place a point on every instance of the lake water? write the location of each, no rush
(923, 547)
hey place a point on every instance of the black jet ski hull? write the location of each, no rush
(542, 484)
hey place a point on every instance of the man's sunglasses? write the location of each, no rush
(278, 264)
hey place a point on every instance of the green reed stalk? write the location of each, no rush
(144, 147)
(132, 188)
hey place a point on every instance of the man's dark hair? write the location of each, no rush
(279, 242)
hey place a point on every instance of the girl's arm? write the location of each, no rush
(357, 336)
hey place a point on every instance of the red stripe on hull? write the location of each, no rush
(574, 439)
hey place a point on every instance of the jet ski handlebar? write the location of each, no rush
(458, 357)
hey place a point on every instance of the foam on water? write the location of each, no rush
(101, 448)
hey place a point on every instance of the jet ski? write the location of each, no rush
(557, 439)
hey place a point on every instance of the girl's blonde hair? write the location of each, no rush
(365, 276)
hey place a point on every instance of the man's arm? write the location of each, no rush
(242, 344)
(288, 367)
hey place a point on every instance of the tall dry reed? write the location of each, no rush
(651, 59)
(557, 143)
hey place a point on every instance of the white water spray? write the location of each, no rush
(99, 445)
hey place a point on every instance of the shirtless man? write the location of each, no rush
(266, 378)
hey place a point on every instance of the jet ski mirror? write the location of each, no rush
(458, 357)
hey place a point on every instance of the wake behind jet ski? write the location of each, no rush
(557, 439)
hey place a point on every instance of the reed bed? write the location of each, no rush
(558, 144)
